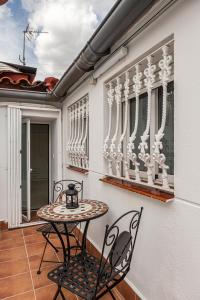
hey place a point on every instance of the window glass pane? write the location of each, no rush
(168, 139)
(141, 124)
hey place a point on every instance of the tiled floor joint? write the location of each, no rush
(27, 285)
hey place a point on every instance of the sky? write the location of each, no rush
(68, 23)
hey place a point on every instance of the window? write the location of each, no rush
(77, 146)
(139, 145)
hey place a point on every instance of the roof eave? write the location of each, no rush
(116, 23)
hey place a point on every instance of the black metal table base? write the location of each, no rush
(56, 249)
(81, 245)
(47, 230)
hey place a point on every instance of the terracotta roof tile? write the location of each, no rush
(12, 77)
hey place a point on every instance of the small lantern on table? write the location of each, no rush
(71, 197)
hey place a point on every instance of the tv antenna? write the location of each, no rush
(29, 34)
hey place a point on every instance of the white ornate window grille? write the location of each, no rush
(139, 145)
(77, 146)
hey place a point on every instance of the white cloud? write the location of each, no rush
(4, 13)
(10, 37)
(69, 24)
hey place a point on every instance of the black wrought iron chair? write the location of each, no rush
(58, 193)
(89, 277)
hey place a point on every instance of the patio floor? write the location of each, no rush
(20, 253)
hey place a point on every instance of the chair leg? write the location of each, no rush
(111, 293)
(41, 261)
(62, 295)
(59, 291)
(56, 294)
(108, 289)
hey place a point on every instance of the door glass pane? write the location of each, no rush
(141, 124)
(24, 169)
(168, 139)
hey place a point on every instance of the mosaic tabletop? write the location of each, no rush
(87, 210)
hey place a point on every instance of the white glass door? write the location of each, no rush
(26, 170)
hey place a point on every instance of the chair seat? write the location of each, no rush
(48, 228)
(80, 277)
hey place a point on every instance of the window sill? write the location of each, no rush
(77, 169)
(136, 188)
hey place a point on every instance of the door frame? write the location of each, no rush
(28, 170)
(46, 114)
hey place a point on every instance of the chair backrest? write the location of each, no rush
(60, 186)
(118, 246)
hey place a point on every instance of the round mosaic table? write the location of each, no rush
(87, 210)
(57, 213)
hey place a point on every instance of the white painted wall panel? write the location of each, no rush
(14, 167)
(166, 263)
(56, 149)
(3, 163)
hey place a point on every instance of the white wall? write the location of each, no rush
(166, 264)
(56, 150)
(3, 163)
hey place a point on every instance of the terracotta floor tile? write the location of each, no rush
(31, 230)
(60, 254)
(68, 295)
(41, 280)
(14, 267)
(11, 243)
(45, 292)
(48, 293)
(34, 238)
(25, 296)
(108, 297)
(117, 295)
(12, 254)
(53, 236)
(56, 242)
(10, 234)
(35, 260)
(14, 261)
(15, 285)
(37, 249)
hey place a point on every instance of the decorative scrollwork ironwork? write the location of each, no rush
(134, 222)
(112, 236)
(119, 244)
